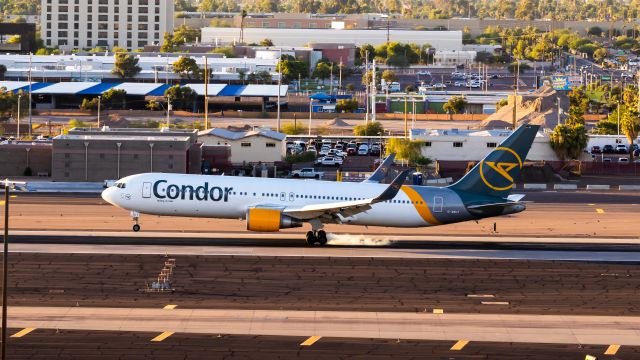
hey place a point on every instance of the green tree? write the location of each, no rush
(454, 105)
(347, 106)
(126, 66)
(89, 104)
(266, 42)
(186, 67)
(168, 45)
(263, 77)
(526, 10)
(113, 99)
(389, 76)
(600, 54)
(322, 70)
(181, 97)
(569, 141)
(185, 34)
(408, 150)
(292, 68)
(370, 129)
(153, 105)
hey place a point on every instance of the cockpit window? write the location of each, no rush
(120, 185)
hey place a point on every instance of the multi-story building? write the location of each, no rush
(82, 24)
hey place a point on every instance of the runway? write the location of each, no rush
(559, 281)
(548, 329)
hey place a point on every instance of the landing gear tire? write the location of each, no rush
(136, 227)
(322, 237)
(311, 238)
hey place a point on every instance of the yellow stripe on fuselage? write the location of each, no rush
(421, 206)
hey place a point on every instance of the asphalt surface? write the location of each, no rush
(63, 344)
(325, 283)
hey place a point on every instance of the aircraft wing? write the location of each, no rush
(331, 212)
(381, 172)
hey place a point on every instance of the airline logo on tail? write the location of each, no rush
(499, 173)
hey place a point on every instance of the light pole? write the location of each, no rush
(18, 130)
(168, 111)
(7, 185)
(618, 110)
(279, 87)
(99, 103)
(30, 96)
(86, 161)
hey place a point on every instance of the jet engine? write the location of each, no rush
(269, 220)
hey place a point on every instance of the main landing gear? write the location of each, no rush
(135, 216)
(316, 235)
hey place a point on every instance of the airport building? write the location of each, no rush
(132, 24)
(250, 147)
(25, 158)
(96, 155)
(96, 67)
(441, 40)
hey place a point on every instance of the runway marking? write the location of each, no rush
(13, 196)
(612, 349)
(480, 296)
(22, 332)
(170, 307)
(438, 311)
(1, 202)
(600, 211)
(591, 204)
(459, 345)
(162, 336)
(310, 341)
(494, 303)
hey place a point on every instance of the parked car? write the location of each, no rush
(423, 73)
(324, 150)
(439, 86)
(336, 152)
(608, 149)
(309, 173)
(352, 149)
(329, 161)
(460, 83)
(596, 149)
(363, 150)
(622, 149)
(623, 161)
(375, 150)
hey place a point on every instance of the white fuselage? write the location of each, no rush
(229, 197)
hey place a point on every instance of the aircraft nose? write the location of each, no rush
(108, 195)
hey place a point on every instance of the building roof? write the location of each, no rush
(424, 133)
(142, 89)
(108, 137)
(237, 135)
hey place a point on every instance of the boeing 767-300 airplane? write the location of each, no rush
(268, 205)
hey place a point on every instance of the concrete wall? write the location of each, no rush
(101, 160)
(258, 151)
(14, 158)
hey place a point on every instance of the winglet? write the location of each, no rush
(393, 188)
(381, 172)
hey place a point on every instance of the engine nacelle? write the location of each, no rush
(269, 220)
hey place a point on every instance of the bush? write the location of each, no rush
(293, 129)
(347, 106)
(306, 156)
(371, 129)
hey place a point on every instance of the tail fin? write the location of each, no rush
(496, 174)
(381, 172)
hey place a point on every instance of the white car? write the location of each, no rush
(330, 161)
(459, 83)
(439, 86)
(474, 84)
(424, 73)
(623, 160)
(336, 152)
(324, 150)
(363, 150)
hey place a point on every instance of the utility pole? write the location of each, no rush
(374, 90)
(99, 103)
(331, 80)
(515, 102)
(168, 110)
(366, 88)
(406, 130)
(18, 130)
(340, 79)
(30, 88)
(206, 93)
(279, 86)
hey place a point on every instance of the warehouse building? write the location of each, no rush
(248, 147)
(97, 155)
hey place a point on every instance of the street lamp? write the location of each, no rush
(99, 103)
(7, 185)
(18, 130)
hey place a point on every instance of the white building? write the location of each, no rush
(259, 145)
(84, 24)
(449, 58)
(97, 67)
(474, 145)
(441, 40)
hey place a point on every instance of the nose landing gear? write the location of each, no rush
(135, 216)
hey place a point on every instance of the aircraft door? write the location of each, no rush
(438, 204)
(283, 196)
(292, 197)
(146, 190)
